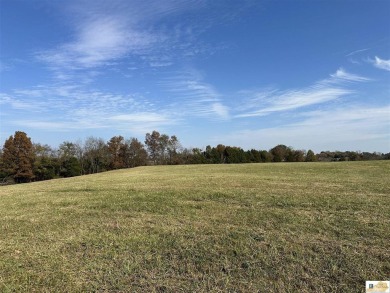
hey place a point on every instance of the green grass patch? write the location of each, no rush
(299, 227)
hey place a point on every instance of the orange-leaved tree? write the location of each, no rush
(18, 157)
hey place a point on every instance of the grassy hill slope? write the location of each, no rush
(307, 227)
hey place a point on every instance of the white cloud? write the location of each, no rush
(382, 64)
(105, 32)
(98, 42)
(221, 110)
(271, 101)
(160, 64)
(74, 108)
(4, 67)
(141, 122)
(342, 75)
(142, 117)
(62, 126)
(356, 52)
(4, 98)
(347, 128)
(294, 99)
(136, 122)
(195, 97)
(20, 103)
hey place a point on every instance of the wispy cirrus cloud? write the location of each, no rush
(72, 107)
(294, 99)
(323, 91)
(61, 126)
(19, 103)
(142, 122)
(357, 52)
(381, 63)
(107, 33)
(323, 129)
(341, 75)
(4, 67)
(136, 123)
(195, 97)
(98, 42)
(220, 110)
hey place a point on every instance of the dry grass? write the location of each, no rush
(310, 227)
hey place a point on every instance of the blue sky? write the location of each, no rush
(307, 74)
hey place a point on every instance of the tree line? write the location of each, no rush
(21, 160)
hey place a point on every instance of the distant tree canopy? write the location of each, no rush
(117, 149)
(135, 153)
(162, 148)
(23, 161)
(310, 156)
(45, 162)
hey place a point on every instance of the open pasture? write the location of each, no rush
(286, 227)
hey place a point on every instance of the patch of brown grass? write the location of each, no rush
(310, 227)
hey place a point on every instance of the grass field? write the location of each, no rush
(298, 227)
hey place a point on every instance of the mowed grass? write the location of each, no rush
(298, 227)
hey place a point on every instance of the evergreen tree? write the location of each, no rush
(44, 162)
(71, 167)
